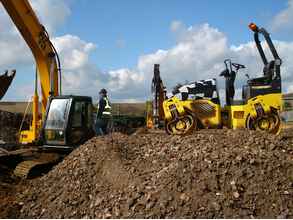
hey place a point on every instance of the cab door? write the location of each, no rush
(80, 127)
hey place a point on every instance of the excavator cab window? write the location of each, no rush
(69, 121)
(55, 125)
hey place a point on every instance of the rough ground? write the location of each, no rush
(9, 126)
(210, 174)
(9, 188)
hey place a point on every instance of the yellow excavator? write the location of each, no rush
(64, 122)
(197, 105)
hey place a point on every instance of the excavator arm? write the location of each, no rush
(46, 58)
(158, 91)
(36, 37)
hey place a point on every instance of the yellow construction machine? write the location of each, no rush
(64, 122)
(197, 105)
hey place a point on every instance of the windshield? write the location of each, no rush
(57, 114)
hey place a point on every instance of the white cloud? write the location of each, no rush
(13, 50)
(51, 13)
(199, 53)
(176, 26)
(120, 79)
(73, 51)
(284, 18)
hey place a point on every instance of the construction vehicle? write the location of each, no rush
(155, 115)
(196, 105)
(5, 81)
(64, 122)
(260, 107)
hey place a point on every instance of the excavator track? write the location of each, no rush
(23, 169)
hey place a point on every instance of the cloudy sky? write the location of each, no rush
(114, 44)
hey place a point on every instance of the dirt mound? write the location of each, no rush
(211, 174)
(9, 126)
(9, 188)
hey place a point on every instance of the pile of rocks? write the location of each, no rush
(9, 126)
(210, 174)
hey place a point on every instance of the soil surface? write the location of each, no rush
(9, 189)
(209, 174)
(9, 126)
(9, 186)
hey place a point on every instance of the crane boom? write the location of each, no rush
(46, 58)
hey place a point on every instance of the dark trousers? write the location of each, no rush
(102, 126)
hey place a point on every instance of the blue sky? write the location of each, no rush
(144, 26)
(114, 44)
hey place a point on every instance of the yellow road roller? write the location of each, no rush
(197, 105)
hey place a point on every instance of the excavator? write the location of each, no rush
(155, 111)
(197, 105)
(64, 121)
(159, 94)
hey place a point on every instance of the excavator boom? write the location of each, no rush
(158, 91)
(46, 58)
(67, 121)
(36, 37)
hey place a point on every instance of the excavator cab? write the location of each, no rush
(68, 122)
(5, 81)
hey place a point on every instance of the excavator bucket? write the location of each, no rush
(5, 81)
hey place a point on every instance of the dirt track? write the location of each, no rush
(157, 176)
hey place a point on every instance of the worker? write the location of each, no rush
(103, 114)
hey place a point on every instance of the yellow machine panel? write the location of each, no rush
(185, 116)
(237, 116)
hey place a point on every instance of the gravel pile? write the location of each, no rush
(210, 174)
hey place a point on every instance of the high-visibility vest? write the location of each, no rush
(108, 108)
